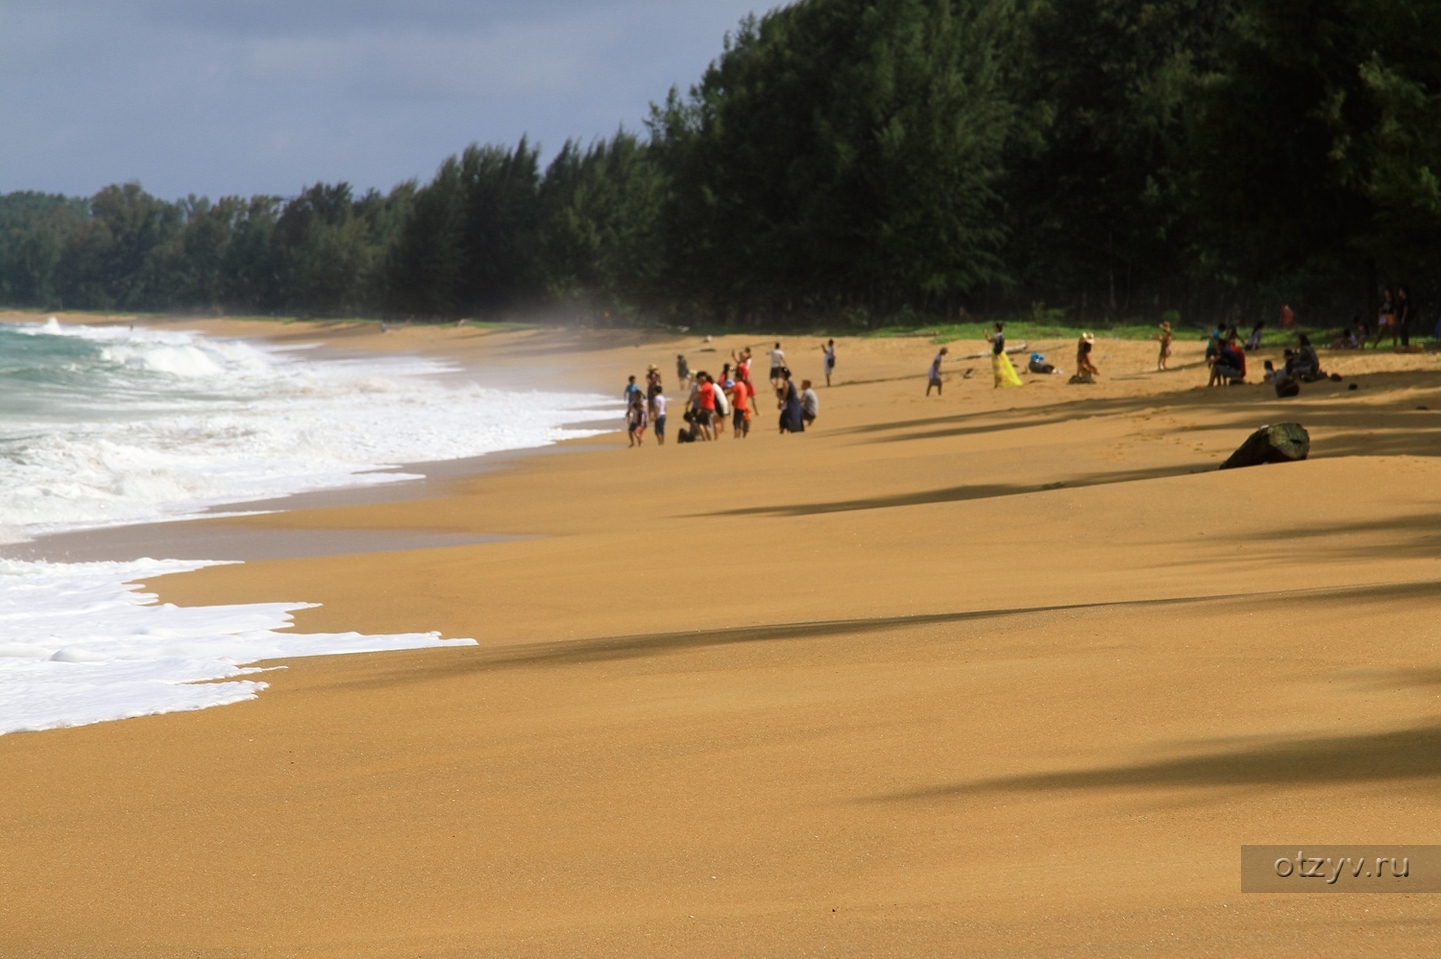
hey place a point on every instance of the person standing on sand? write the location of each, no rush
(636, 419)
(790, 405)
(705, 405)
(1385, 320)
(1086, 371)
(741, 405)
(1165, 338)
(934, 378)
(652, 378)
(829, 352)
(682, 372)
(1403, 317)
(630, 390)
(1001, 366)
(778, 363)
(657, 414)
(810, 403)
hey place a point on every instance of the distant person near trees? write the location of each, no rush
(829, 353)
(1404, 316)
(1086, 371)
(1165, 337)
(682, 372)
(1253, 342)
(1385, 320)
(934, 379)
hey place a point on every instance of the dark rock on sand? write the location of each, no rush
(1281, 443)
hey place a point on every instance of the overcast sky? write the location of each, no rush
(220, 97)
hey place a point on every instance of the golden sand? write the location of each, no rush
(1000, 673)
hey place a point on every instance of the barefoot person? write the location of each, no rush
(778, 363)
(829, 353)
(934, 379)
(1165, 338)
(1001, 367)
(636, 419)
(682, 372)
(810, 403)
(789, 405)
(1086, 371)
(657, 414)
(741, 406)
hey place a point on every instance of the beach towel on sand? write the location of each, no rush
(1005, 372)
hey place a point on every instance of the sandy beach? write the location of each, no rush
(995, 673)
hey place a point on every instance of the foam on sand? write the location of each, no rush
(81, 643)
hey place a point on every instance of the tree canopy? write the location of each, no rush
(848, 161)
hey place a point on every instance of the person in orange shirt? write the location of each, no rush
(705, 399)
(740, 396)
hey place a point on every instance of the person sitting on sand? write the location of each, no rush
(1165, 337)
(935, 373)
(1038, 364)
(1346, 341)
(1230, 365)
(1304, 364)
(1253, 342)
(1271, 374)
(810, 403)
(1086, 371)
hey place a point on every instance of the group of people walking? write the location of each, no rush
(712, 401)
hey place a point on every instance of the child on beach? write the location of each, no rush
(1086, 371)
(935, 373)
(1165, 337)
(636, 419)
(829, 353)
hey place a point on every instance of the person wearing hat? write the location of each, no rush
(1165, 337)
(1086, 371)
(652, 378)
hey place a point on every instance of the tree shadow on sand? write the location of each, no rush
(1406, 754)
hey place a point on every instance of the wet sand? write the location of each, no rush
(995, 673)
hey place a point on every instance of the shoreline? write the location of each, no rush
(801, 693)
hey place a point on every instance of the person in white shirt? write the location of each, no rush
(778, 363)
(657, 415)
(810, 403)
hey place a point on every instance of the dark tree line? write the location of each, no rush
(855, 161)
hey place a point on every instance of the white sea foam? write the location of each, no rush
(78, 645)
(153, 425)
(103, 426)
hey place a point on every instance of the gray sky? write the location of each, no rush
(266, 96)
